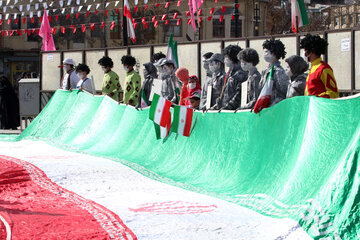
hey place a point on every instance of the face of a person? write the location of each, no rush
(145, 71)
(81, 74)
(167, 69)
(288, 70)
(194, 102)
(246, 66)
(205, 64)
(192, 80)
(66, 67)
(228, 62)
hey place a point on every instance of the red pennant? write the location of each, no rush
(179, 3)
(102, 25)
(167, 22)
(7, 33)
(175, 15)
(212, 10)
(167, 4)
(200, 19)
(200, 12)
(145, 24)
(74, 30)
(232, 17)
(106, 12)
(92, 26)
(187, 13)
(16, 21)
(18, 32)
(143, 20)
(37, 32)
(77, 15)
(163, 17)
(53, 30)
(9, 21)
(12, 32)
(83, 27)
(178, 22)
(135, 25)
(25, 31)
(63, 29)
(96, 12)
(223, 9)
(215, 1)
(56, 18)
(237, 5)
(87, 14)
(157, 5)
(136, 9)
(1, 21)
(145, 8)
(49, 17)
(133, 20)
(156, 24)
(67, 16)
(41, 18)
(24, 20)
(32, 20)
(221, 18)
(189, 21)
(117, 11)
(33, 31)
(153, 19)
(209, 18)
(112, 25)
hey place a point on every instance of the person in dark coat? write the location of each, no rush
(295, 69)
(150, 72)
(9, 106)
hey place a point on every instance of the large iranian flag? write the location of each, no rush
(182, 120)
(298, 10)
(172, 51)
(265, 95)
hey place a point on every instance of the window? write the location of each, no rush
(233, 27)
(351, 19)
(96, 33)
(343, 20)
(336, 22)
(219, 26)
(358, 18)
(79, 36)
(116, 32)
(173, 28)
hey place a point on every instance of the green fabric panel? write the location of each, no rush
(298, 159)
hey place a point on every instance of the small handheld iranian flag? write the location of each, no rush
(182, 120)
(160, 114)
(144, 103)
(298, 10)
(265, 95)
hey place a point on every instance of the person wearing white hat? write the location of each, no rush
(70, 78)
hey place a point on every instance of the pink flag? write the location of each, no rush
(194, 5)
(46, 34)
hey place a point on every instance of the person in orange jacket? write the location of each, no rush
(321, 80)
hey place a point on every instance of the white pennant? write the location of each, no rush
(15, 15)
(7, 16)
(31, 1)
(107, 4)
(20, 8)
(72, 10)
(45, 5)
(28, 7)
(4, 9)
(1, 3)
(145, 1)
(16, 1)
(97, 6)
(89, 7)
(63, 11)
(80, 7)
(40, 0)
(69, 2)
(61, 3)
(116, 3)
(39, 14)
(136, 2)
(8, 1)
(85, 1)
(78, 2)
(11, 6)
(36, 6)
(0, 16)
(31, 14)
(22, 14)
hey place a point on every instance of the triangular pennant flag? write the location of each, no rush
(45, 33)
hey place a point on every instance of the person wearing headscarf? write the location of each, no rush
(150, 73)
(9, 106)
(183, 75)
(295, 68)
